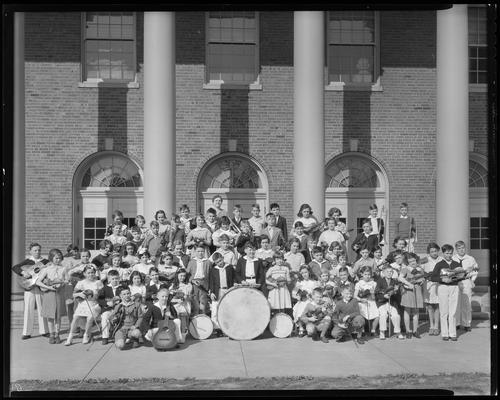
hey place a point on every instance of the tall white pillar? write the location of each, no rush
(308, 110)
(159, 113)
(19, 185)
(452, 175)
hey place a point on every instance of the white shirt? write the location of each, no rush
(199, 268)
(249, 268)
(331, 236)
(222, 276)
(374, 225)
(469, 264)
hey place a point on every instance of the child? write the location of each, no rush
(71, 257)
(86, 291)
(275, 235)
(237, 218)
(342, 281)
(412, 277)
(144, 265)
(53, 278)
(103, 259)
(140, 226)
(224, 250)
(365, 239)
(265, 251)
(256, 222)
(182, 285)
(124, 270)
(186, 221)
(211, 221)
(154, 285)
(317, 316)
(326, 238)
(217, 205)
(305, 283)
(164, 227)
(250, 269)
(136, 284)
(280, 221)
(108, 297)
(200, 235)
(379, 261)
(136, 236)
(377, 224)
(335, 213)
(220, 280)
(130, 254)
(294, 257)
(399, 244)
(162, 309)
(342, 263)
(399, 262)
(364, 261)
(198, 269)
(167, 268)
(347, 319)
(154, 239)
(465, 286)
(302, 237)
(179, 257)
(117, 218)
(318, 263)
(126, 318)
(224, 230)
(431, 299)
(116, 238)
(26, 269)
(309, 222)
(386, 295)
(246, 236)
(277, 278)
(406, 227)
(333, 252)
(364, 292)
(447, 292)
(177, 232)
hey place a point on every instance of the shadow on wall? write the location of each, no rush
(112, 119)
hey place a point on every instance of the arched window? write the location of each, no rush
(237, 178)
(478, 175)
(352, 172)
(112, 171)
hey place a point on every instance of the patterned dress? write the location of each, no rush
(368, 310)
(279, 298)
(53, 303)
(429, 287)
(411, 298)
(82, 309)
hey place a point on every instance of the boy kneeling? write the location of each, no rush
(317, 316)
(346, 318)
(126, 319)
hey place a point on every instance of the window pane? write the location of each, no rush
(474, 244)
(485, 244)
(474, 221)
(89, 233)
(484, 221)
(88, 222)
(100, 222)
(89, 244)
(100, 233)
(351, 64)
(474, 233)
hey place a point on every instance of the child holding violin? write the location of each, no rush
(386, 295)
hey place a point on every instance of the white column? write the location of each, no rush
(452, 150)
(308, 111)
(159, 113)
(19, 185)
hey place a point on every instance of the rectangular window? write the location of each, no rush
(479, 233)
(108, 51)
(352, 48)
(93, 232)
(232, 47)
(478, 53)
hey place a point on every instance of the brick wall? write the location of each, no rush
(65, 123)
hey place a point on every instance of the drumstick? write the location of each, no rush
(390, 316)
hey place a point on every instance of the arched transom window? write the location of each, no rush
(231, 173)
(112, 171)
(478, 175)
(352, 172)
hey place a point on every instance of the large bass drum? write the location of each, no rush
(243, 313)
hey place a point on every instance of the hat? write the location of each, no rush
(385, 265)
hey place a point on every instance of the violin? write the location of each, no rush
(363, 294)
(448, 275)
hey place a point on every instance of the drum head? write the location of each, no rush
(243, 313)
(281, 325)
(201, 327)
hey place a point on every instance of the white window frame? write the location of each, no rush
(477, 87)
(219, 84)
(97, 82)
(352, 86)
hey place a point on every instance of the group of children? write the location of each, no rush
(175, 270)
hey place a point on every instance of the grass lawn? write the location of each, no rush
(459, 383)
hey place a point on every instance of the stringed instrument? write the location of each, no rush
(164, 338)
(363, 294)
(448, 275)
(28, 282)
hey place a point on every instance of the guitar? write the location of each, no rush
(452, 275)
(164, 338)
(28, 282)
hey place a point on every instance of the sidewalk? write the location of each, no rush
(267, 356)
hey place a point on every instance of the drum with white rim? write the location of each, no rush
(201, 327)
(243, 313)
(281, 325)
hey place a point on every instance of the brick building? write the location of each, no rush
(143, 111)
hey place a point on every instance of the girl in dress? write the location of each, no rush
(117, 238)
(332, 254)
(167, 269)
(144, 265)
(53, 278)
(164, 226)
(182, 285)
(311, 224)
(379, 261)
(431, 299)
(186, 221)
(200, 234)
(412, 298)
(302, 292)
(340, 226)
(294, 257)
(136, 284)
(130, 254)
(117, 218)
(85, 294)
(364, 292)
(277, 278)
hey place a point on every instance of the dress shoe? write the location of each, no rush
(360, 340)
(453, 338)
(104, 341)
(468, 329)
(58, 339)
(324, 339)
(46, 335)
(416, 335)
(446, 338)
(408, 335)
(24, 337)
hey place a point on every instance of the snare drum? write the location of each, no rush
(243, 313)
(201, 327)
(281, 325)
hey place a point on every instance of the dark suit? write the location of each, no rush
(185, 260)
(277, 238)
(380, 291)
(105, 294)
(281, 223)
(153, 315)
(214, 283)
(152, 290)
(259, 274)
(369, 242)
